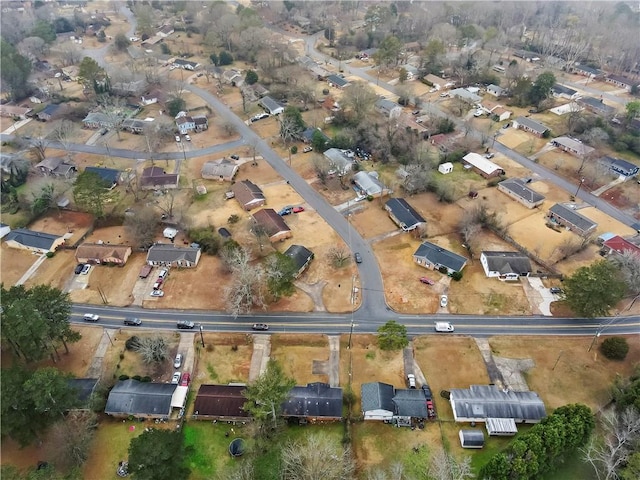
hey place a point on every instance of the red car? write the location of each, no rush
(298, 209)
(185, 380)
(427, 281)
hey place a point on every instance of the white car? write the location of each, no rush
(187, 138)
(176, 378)
(478, 113)
(178, 138)
(90, 317)
(177, 363)
(444, 95)
(157, 293)
(85, 270)
(443, 301)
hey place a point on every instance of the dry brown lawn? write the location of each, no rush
(54, 271)
(62, 222)
(15, 263)
(449, 362)
(80, 355)
(580, 375)
(296, 354)
(521, 141)
(225, 359)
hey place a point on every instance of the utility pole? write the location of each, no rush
(202, 336)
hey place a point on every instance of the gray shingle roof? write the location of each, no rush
(560, 89)
(623, 166)
(410, 403)
(439, 256)
(517, 187)
(169, 253)
(315, 400)
(484, 401)
(596, 104)
(222, 168)
(29, 238)
(299, 254)
(537, 127)
(270, 104)
(369, 183)
(572, 217)
(573, 145)
(403, 212)
(377, 396)
(337, 81)
(508, 262)
(131, 397)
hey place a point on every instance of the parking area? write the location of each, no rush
(144, 286)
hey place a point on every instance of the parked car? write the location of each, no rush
(157, 293)
(85, 270)
(285, 211)
(427, 281)
(132, 321)
(260, 326)
(185, 325)
(176, 378)
(259, 116)
(415, 112)
(358, 257)
(78, 268)
(444, 95)
(235, 157)
(307, 149)
(411, 380)
(185, 380)
(163, 273)
(443, 301)
(477, 113)
(90, 317)
(489, 156)
(556, 290)
(177, 362)
(178, 138)
(187, 138)
(157, 285)
(298, 209)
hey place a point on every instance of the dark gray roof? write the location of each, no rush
(518, 187)
(403, 212)
(180, 61)
(131, 397)
(270, 104)
(338, 81)
(29, 238)
(508, 262)
(472, 438)
(49, 109)
(596, 104)
(572, 217)
(168, 252)
(108, 175)
(559, 89)
(439, 256)
(84, 387)
(308, 133)
(624, 166)
(299, 254)
(377, 396)
(484, 401)
(315, 400)
(588, 69)
(532, 125)
(410, 403)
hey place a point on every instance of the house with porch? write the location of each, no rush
(97, 120)
(518, 190)
(531, 126)
(399, 406)
(185, 124)
(433, 257)
(586, 71)
(369, 184)
(170, 255)
(403, 214)
(621, 81)
(339, 161)
(597, 106)
(572, 146)
(505, 266)
(567, 217)
(562, 91)
(223, 170)
(272, 224)
(271, 106)
(56, 167)
(621, 167)
(102, 253)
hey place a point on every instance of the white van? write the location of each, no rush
(444, 327)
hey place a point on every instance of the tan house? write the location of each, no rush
(273, 224)
(516, 189)
(222, 170)
(38, 242)
(248, 194)
(101, 253)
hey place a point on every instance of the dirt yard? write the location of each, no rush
(297, 354)
(15, 263)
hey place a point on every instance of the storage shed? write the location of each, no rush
(445, 168)
(471, 438)
(505, 427)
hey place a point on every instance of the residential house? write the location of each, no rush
(97, 120)
(388, 108)
(339, 161)
(222, 170)
(369, 184)
(153, 96)
(482, 166)
(33, 241)
(597, 106)
(16, 112)
(572, 146)
(314, 402)
(471, 438)
(437, 82)
(410, 404)
(129, 89)
(377, 401)
(412, 123)
(622, 82)
(165, 31)
(271, 106)
(56, 167)
(272, 224)
(412, 47)
(221, 402)
(252, 93)
(301, 257)
(134, 125)
(466, 96)
(302, 22)
(232, 77)
(337, 81)
(101, 253)
(186, 64)
(185, 124)
(248, 194)
(531, 126)
(156, 177)
(201, 123)
(495, 90)
(527, 55)
(151, 41)
(412, 71)
(496, 110)
(48, 112)
(307, 135)
(170, 255)
(586, 71)
(131, 398)
(621, 167)
(481, 402)
(4, 230)
(430, 255)
(561, 91)
(403, 214)
(506, 266)
(618, 245)
(572, 220)
(518, 190)
(110, 176)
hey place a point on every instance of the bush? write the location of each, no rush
(443, 270)
(615, 348)
(233, 219)
(132, 343)
(146, 379)
(50, 254)
(123, 377)
(294, 149)
(137, 377)
(457, 276)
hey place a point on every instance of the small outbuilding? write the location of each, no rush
(445, 168)
(471, 438)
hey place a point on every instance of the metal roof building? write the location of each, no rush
(471, 438)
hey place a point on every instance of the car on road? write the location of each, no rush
(235, 157)
(444, 301)
(132, 321)
(178, 138)
(176, 378)
(78, 268)
(157, 293)
(187, 138)
(298, 209)
(556, 290)
(489, 156)
(506, 125)
(307, 149)
(185, 380)
(260, 326)
(104, 131)
(427, 281)
(85, 270)
(185, 325)
(358, 257)
(90, 317)
(443, 327)
(177, 362)
(285, 211)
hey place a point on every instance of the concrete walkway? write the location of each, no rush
(260, 356)
(495, 375)
(334, 360)
(32, 270)
(187, 349)
(608, 186)
(539, 296)
(314, 290)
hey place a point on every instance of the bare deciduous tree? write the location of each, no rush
(247, 284)
(317, 456)
(141, 226)
(63, 132)
(629, 264)
(153, 349)
(73, 436)
(444, 466)
(70, 54)
(338, 256)
(39, 148)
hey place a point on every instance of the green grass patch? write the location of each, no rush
(209, 452)
(573, 468)
(212, 372)
(370, 356)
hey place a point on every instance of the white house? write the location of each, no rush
(445, 168)
(4, 229)
(506, 266)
